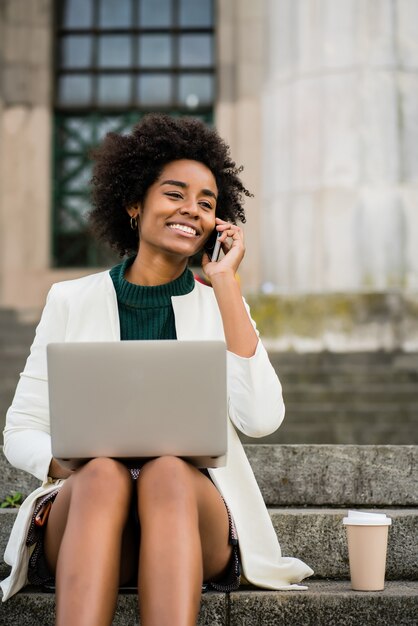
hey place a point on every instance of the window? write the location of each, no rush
(115, 61)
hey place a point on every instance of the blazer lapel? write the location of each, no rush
(197, 315)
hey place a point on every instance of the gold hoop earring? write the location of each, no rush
(134, 222)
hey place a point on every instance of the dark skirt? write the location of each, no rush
(39, 573)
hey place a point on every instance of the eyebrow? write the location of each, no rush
(179, 183)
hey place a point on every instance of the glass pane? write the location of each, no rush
(76, 51)
(77, 13)
(155, 12)
(115, 51)
(77, 174)
(196, 50)
(114, 90)
(195, 90)
(196, 13)
(155, 89)
(115, 13)
(109, 125)
(75, 89)
(79, 133)
(155, 51)
(73, 214)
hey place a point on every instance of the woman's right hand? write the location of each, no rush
(58, 471)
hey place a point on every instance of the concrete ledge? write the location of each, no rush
(335, 475)
(37, 608)
(327, 604)
(318, 537)
(308, 475)
(324, 604)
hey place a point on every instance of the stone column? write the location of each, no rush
(26, 30)
(340, 146)
(25, 128)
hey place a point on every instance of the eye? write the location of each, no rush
(206, 205)
(174, 194)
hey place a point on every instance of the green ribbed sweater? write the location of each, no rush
(147, 312)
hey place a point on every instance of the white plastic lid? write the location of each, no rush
(362, 518)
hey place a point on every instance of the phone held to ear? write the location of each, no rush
(213, 246)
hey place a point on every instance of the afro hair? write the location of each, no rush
(125, 166)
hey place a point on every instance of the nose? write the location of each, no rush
(190, 207)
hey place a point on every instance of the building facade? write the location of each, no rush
(318, 100)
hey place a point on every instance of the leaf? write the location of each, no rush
(13, 501)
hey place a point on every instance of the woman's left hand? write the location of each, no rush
(232, 243)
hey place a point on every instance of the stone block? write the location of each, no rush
(39, 47)
(379, 130)
(319, 538)
(33, 12)
(17, 81)
(281, 39)
(16, 46)
(408, 124)
(16, 11)
(323, 603)
(338, 33)
(380, 231)
(306, 145)
(377, 37)
(12, 479)
(275, 228)
(326, 604)
(24, 85)
(406, 21)
(336, 475)
(32, 608)
(304, 242)
(339, 259)
(340, 148)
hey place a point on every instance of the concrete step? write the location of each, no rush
(308, 475)
(301, 377)
(336, 476)
(323, 604)
(330, 361)
(318, 537)
(344, 424)
(350, 393)
(363, 398)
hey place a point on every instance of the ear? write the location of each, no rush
(133, 211)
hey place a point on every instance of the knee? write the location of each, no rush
(104, 477)
(165, 478)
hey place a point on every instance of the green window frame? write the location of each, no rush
(89, 67)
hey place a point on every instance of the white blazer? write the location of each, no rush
(86, 310)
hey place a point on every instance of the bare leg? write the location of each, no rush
(184, 540)
(83, 542)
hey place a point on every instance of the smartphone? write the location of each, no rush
(213, 245)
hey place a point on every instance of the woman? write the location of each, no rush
(158, 193)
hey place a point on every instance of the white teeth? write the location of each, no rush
(185, 229)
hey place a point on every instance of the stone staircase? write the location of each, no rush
(15, 340)
(350, 398)
(308, 489)
(339, 398)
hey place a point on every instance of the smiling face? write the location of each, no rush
(178, 211)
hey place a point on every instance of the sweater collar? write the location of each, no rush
(133, 295)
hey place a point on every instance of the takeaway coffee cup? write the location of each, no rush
(367, 536)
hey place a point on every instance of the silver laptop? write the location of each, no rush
(138, 399)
